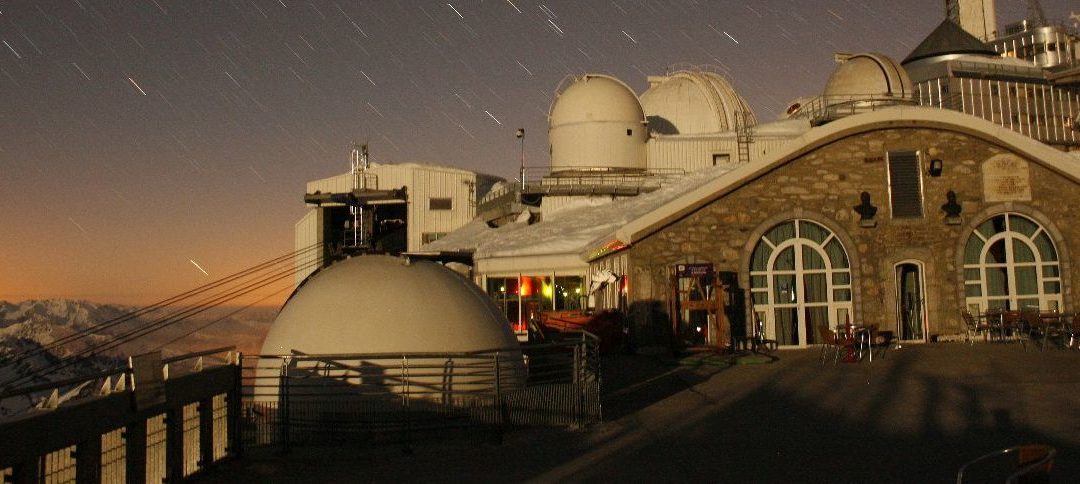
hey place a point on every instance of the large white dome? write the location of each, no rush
(596, 122)
(383, 304)
(693, 101)
(869, 75)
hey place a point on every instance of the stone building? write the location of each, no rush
(898, 218)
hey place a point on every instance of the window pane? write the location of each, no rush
(973, 249)
(841, 278)
(1052, 288)
(786, 260)
(997, 284)
(760, 259)
(1022, 225)
(784, 328)
(1050, 271)
(993, 226)
(973, 290)
(761, 297)
(781, 233)
(758, 281)
(816, 288)
(837, 256)
(784, 287)
(817, 318)
(1027, 281)
(996, 254)
(1046, 247)
(813, 231)
(842, 295)
(1022, 252)
(1027, 303)
(811, 259)
(971, 275)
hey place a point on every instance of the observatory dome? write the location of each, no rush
(596, 123)
(868, 75)
(383, 304)
(693, 101)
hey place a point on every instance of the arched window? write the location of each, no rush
(800, 280)
(1010, 262)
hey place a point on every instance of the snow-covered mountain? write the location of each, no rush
(30, 329)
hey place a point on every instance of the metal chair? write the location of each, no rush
(1033, 463)
(974, 326)
(834, 342)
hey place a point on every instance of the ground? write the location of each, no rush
(914, 414)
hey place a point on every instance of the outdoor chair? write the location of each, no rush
(974, 326)
(836, 343)
(1023, 463)
(1014, 326)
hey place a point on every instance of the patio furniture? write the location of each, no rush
(834, 342)
(1023, 463)
(974, 326)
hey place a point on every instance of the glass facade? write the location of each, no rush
(526, 296)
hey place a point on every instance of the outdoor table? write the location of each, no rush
(856, 335)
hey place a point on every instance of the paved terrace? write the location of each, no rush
(914, 415)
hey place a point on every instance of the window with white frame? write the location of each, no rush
(800, 281)
(1010, 262)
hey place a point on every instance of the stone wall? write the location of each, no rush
(823, 185)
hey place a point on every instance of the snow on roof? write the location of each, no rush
(572, 230)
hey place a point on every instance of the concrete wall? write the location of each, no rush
(823, 185)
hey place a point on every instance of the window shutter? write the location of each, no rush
(905, 184)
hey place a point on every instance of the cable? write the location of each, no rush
(169, 320)
(156, 306)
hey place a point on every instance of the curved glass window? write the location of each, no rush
(800, 280)
(1010, 262)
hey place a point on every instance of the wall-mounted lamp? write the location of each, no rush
(935, 167)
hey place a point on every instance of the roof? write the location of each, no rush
(894, 117)
(948, 38)
(571, 230)
(693, 102)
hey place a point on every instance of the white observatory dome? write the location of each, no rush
(868, 75)
(596, 123)
(383, 304)
(693, 101)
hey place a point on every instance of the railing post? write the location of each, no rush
(283, 404)
(174, 443)
(206, 432)
(498, 392)
(88, 460)
(577, 386)
(135, 451)
(234, 409)
(405, 403)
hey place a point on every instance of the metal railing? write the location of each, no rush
(98, 428)
(299, 398)
(827, 108)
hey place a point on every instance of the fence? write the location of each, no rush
(104, 430)
(299, 398)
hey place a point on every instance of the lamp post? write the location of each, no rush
(521, 136)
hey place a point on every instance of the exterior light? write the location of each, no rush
(936, 166)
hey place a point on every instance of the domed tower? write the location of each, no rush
(694, 101)
(864, 82)
(596, 124)
(377, 304)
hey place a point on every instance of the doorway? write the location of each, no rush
(910, 302)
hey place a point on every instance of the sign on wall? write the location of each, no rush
(1006, 178)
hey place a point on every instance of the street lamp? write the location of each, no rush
(521, 136)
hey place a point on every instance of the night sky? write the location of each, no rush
(139, 137)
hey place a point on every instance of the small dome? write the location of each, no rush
(869, 75)
(383, 304)
(596, 122)
(693, 102)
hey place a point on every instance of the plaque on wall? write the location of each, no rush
(1006, 179)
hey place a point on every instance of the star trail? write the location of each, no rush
(139, 136)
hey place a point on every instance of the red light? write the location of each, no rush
(526, 287)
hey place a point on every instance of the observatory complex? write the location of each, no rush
(902, 195)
